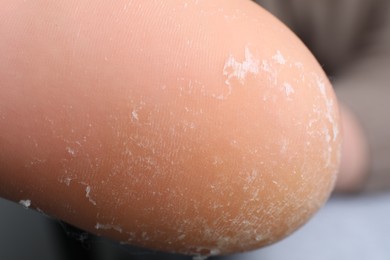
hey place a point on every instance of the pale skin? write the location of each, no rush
(141, 121)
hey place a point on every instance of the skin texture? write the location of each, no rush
(198, 127)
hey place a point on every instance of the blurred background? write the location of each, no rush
(351, 40)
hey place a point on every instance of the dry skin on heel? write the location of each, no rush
(198, 127)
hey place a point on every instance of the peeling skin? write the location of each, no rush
(278, 57)
(288, 89)
(99, 226)
(325, 108)
(240, 70)
(234, 69)
(220, 151)
(67, 181)
(25, 203)
(329, 107)
(87, 194)
(134, 115)
(71, 151)
(88, 190)
(212, 252)
(251, 235)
